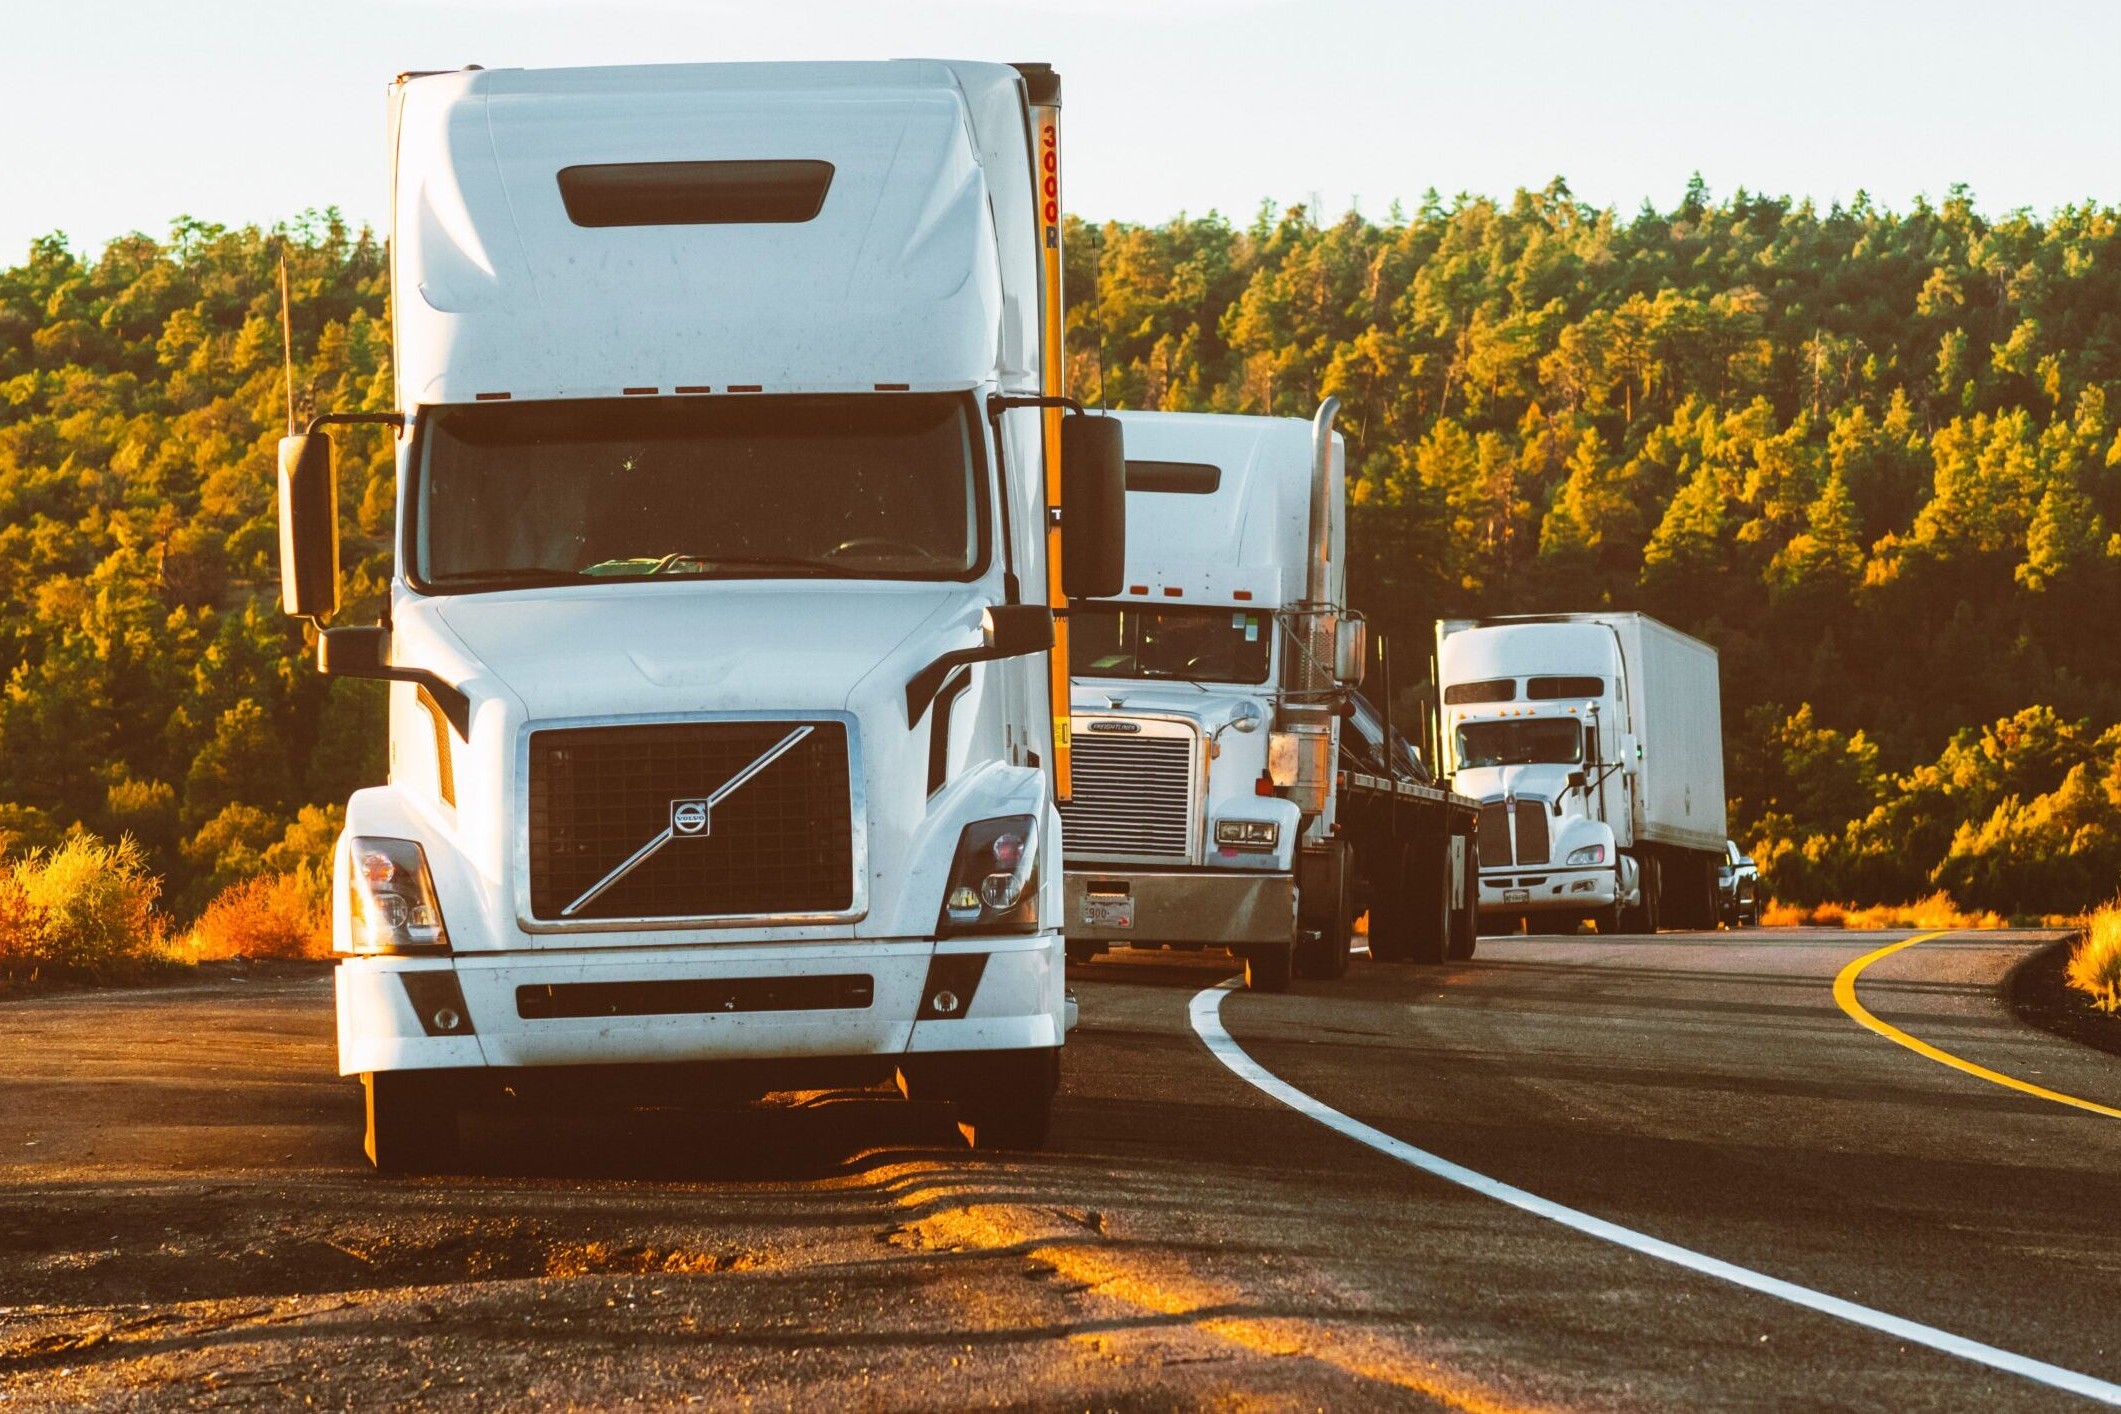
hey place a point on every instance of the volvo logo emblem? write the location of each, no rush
(689, 817)
(1131, 727)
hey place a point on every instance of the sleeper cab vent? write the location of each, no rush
(694, 193)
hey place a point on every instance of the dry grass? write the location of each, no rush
(2095, 963)
(269, 915)
(83, 910)
(1935, 911)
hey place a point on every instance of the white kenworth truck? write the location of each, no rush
(1595, 745)
(729, 489)
(1231, 789)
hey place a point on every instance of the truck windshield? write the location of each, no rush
(868, 486)
(1207, 645)
(1519, 743)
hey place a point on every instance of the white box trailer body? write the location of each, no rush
(719, 728)
(1595, 744)
(1209, 808)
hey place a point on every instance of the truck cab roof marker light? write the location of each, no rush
(1170, 593)
(1137, 589)
(747, 388)
(894, 387)
(640, 392)
(494, 397)
(693, 388)
(1243, 594)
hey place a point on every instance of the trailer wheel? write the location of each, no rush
(1267, 969)
(1011, 1104)
(1465, 919)
(412, 1121)
(1391, 917)
(1430, 908)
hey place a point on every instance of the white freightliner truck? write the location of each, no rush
(1215, 804)
(1595, 745)
(720, 635)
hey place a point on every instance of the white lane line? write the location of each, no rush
(1206, 1015)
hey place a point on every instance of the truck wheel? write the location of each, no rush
(1391, 911)
(1465, 921)
(1606, 921)
(1267, 969)
(1431, 911)
(1645, 916)
(412, 1121)
(1322, 950)
(1011, 1106)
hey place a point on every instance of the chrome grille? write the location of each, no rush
(780, 844)
(1133, 797)
(1494, 835)
(1533, 844)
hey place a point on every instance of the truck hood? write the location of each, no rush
(1548, 781)
(704, 646)
(1207, 710)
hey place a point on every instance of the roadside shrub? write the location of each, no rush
(82, 910)
(2095, 963)
(1936, 910)
(283, 915)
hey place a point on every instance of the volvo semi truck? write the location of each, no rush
(1214, 803)
(733, 485)
(1594, 743)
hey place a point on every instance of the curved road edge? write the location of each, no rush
(1205, 1013)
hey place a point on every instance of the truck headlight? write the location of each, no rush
(990, 879)
(1589, 854)
(1248, 834)
(393, 898)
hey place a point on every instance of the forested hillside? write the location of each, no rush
(1869, 455)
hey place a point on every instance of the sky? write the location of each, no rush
(120, 115)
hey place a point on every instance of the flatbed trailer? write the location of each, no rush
(1415, 856)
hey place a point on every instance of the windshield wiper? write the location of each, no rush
(715, 564)
(509, 574)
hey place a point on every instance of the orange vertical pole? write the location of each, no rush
(1053, 378)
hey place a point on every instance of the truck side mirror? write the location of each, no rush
(1013, 630)
(1351, 650)
(309, 527)
(1093, 507)
(1578, 780)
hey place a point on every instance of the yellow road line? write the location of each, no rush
(1845, 994)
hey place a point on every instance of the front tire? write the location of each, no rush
(1010, 1106)
(1322, 952)
(1268, 969)
(412, 1121)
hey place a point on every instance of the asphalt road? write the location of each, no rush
(185, 1218)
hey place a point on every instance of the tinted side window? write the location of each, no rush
(1489, 690)
(1548, 689)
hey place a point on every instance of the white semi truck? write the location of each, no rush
(1595, 745)
(730, 465)
(1220, 798)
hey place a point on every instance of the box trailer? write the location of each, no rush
(1595, 744)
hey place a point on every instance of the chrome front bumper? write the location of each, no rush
(1218, 907)
(1548, 890)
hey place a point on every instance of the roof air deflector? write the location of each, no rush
(748, 192)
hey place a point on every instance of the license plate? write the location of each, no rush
(1108, 911)
(1516, 895)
